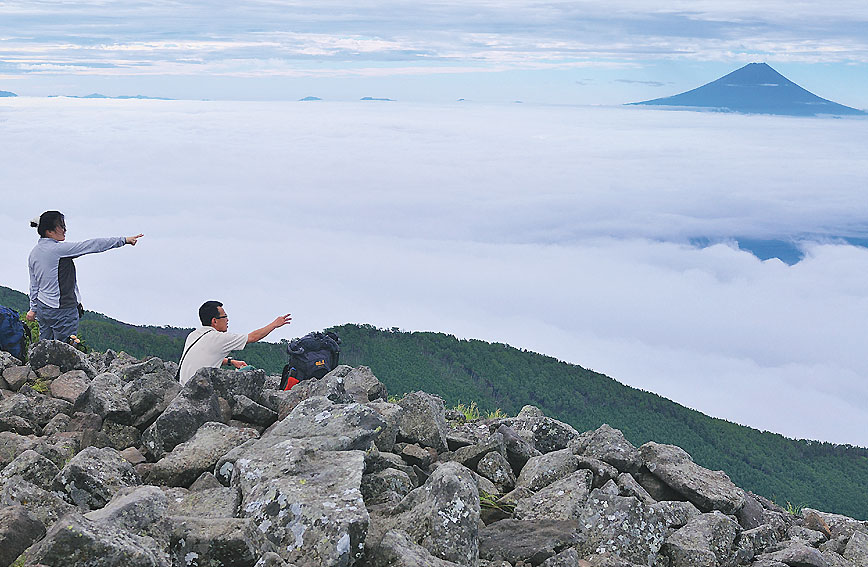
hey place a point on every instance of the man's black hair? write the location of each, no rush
(209, 311)
(50, 220)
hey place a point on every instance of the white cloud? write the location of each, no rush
(562, 230)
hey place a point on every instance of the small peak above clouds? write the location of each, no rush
(755, 88)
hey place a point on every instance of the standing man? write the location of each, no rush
(209, 345)
(54, 296)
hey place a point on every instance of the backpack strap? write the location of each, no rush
(180, 362)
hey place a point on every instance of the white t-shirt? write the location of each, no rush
(209, 351)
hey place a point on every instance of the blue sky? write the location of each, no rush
(545, 52)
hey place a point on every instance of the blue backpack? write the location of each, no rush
(13, 333)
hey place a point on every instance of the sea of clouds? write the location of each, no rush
(563, 230)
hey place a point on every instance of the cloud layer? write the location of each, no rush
(560, 230)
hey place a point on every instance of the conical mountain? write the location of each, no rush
(756, 88)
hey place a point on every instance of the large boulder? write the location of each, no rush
(705, 541)
(106, 399)
(622, 525)
(330, 386)
(563, 499)
(217, 541)
(248, 411)
(75, 540)
(16, 414)
(32, 467)
(442, 515)
(196, 404)
(796, 554)
(857, 549)
(307, 502)
(149, 395)
(94, 476)
(423, 420)
(541, 471)
(18, 531)
(470, 455)
(71, 386)
(708, 490)
(191, 458)
(138, 509)
(610, 446)
(838, 525)
(547, 434)
(497, 469)
(214, 502)
(360, 383)
(47, 507)
(129, 369)
(12, 445)
(518, 450)
(17, 376)
(231, 383)
(397, 549)
(60, 354)
(531, 542)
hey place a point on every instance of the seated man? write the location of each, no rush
(210, 344)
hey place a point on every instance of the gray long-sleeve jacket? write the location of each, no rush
(52, 272)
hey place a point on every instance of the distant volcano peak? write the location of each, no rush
(755, 88)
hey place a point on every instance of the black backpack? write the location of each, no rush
(14, 334)
(311, 356)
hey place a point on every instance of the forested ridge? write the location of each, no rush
(816, 474)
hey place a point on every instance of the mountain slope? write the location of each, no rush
(820, 475)
(755, 88)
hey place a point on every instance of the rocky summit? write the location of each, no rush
(105, 460)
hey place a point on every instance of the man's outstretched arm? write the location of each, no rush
(260, 334)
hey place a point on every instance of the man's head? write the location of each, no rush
(51, 224)
(212, 315)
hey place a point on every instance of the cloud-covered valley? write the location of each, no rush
(564, 230)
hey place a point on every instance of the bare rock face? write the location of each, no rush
(708, 490)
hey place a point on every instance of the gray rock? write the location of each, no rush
(397, 549)
(658, 489)
(836, 545)
(45, 506)
(17, 376)
(857, 549)
(547, 468)
(563, 499)
(195, 405)
(391, 414)
(129, 369)
(760, 539)
(805, 535)
(71, 386)
(329, 386)
(16, 414)
(415, 455)
(248, 411)
(94, 476)
(676, 514)
(610, 446)
(215, 502)
(360, 383)
(605, 560)
(46, 407)
(217, 541)
(56, 424)
(497, 469)
(138, 510)
(423, 420)
(835, 560)
(705, 540)
(796, 554)
(307, 502)
(106, 399)
(442, 515)
(49, 372)
(59, 354)
(567, 558)
(529, 541)
(628, 486)
(149, 395)
(708, 490)
(75, 540)
(623, 526)
(206, 481)
(386, 486)
(121, 436)
(752, 514)
(471, 455)
(18, 531)
(12, 445)
(547, 434)
(188, 460)
(603, 472)
(7, 360)
(271, 559)
(838, 525)
(32, 467)
(518, 450)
